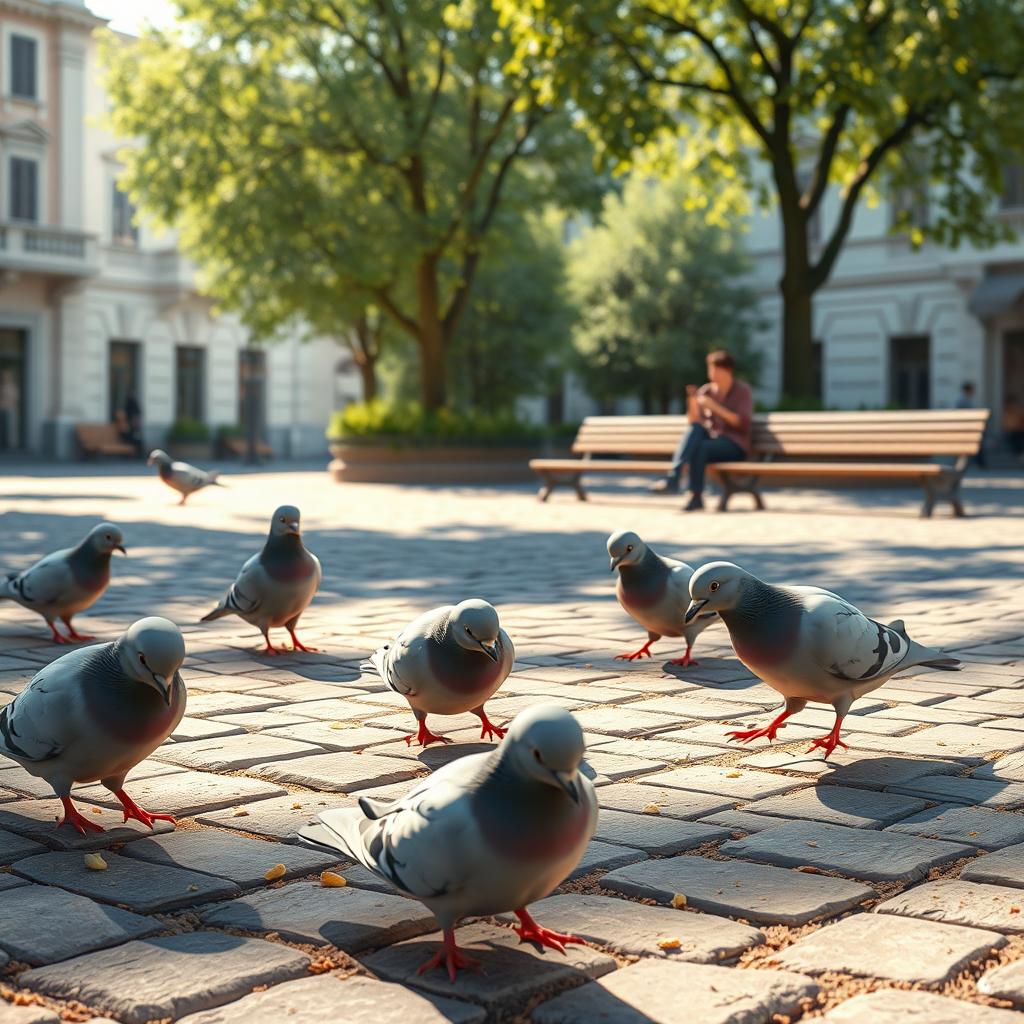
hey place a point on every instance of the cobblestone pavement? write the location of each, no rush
(886, 884)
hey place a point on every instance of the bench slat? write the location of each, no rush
(905, 469)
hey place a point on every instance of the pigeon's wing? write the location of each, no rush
(43, 583)
(248, 593)
(189, 476)
(43, 720)
(403, 664)
(843, 642)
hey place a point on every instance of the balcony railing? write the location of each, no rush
(61, 252)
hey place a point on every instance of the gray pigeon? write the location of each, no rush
(68, 581)
(275, 586)
(655, 592)
(486, 834)
(807, 643)
(97, 712)
(446, 662)
(180, 476)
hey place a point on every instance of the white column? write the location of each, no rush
(71, 49)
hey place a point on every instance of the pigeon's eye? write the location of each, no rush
(629, 547)
(536, 756)
(142, 658)
(469, 631)
(714, 586)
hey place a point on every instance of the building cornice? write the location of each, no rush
(79, 16)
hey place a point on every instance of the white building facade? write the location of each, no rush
(902, 327)
(93, 308)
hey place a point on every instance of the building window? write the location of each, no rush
(124, 381)
(24, 79)
(252, 386)
(13, 380)
(24, 195)
(1013, 184)
(910, 372)
(908, 207)
(189, 384)
(124, 231)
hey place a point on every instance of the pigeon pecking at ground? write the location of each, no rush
(95, 713)
(68, 581)
(446, 662)
(486, 834)
(807, 643)
(180, 476)
(655, 592)
(275, 586)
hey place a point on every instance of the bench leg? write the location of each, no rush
(547, 487)
(577, 482)
(929, 499)
(944, 489)
(730, 487)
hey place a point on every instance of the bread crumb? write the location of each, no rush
(94, 862)
(679, 901)
(672, 943)
(276, 872)
(651, 809)
(332, 880)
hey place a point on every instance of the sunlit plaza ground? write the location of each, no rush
(807, 885)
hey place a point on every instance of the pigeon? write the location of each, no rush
(275, 586)
(655, 592)
(180, 476)
(486, 834)
(68, 581)
(807, 643)
(446, 662)
(95, 713)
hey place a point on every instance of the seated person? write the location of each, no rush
(1013, 426)
(719, 414)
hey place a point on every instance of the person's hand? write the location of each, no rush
(691, 390)
(705, 401)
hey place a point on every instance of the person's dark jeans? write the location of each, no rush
(697, 449)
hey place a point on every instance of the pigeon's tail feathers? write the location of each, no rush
(947, 663)
(218, 613)
(8, 590)
(374, 809)
(900, 627)
(214, 478)
(928, 656)
(339, 830)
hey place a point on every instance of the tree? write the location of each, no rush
(657, 288)
(792, 98)
(361, 149)
(514, 337)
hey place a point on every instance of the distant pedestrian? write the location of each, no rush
(1013, 426)
(719, 413)
(130, 423)
(965, 400)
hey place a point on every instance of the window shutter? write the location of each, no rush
(24, 197)
(24, 52)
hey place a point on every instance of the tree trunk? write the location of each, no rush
(368, 373)
(797, 343)
(365, 349)
(432, 340)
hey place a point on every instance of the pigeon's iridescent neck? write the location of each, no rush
(643, 585)
(286, 559)
(90, 568)
(764, 624)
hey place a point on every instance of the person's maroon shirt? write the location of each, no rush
(740, 400)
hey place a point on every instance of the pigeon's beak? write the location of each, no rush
(615, 563)
(293, 528)
(695, 607)
(491, 650)
(120, 547)
(162, 687)
(150, 461)
(567, 780)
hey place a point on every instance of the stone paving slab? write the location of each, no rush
(735, 888)
(42, 925)
(1006, 982)
(634, 929)
(190, 729)
(144, 888)
(620, 766)
(857, 852)
(883, 946)
(976, 792)
(894, 1006)
(626, 720)
(161, 978)
(606, 857)
(26, 1014)
(738, 783)
(1009, 768)
(988, 830)
(13, 847)
(206, 705)
(510, 972)
(967, 743)
(185, 793)
(339, 772)
(743, 821)
(279, 818)
(36, 820)
(365, 1001)
(679, 993)
(351, 919)
(669, 751)
(653, 835)
(670, 803)
(953, 901)
(1004, 867)
(238, 859)
(840, 805)
(233, 753)
(326, 736)
(8, 881)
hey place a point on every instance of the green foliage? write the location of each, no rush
(658, 288)
(408, 423)
(514, 337)
(320, 159)
(188, 430)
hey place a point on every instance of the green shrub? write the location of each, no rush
(230, 431)
(409, 423)
(186, 430)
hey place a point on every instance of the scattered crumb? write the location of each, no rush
(678, 901)
(672, 943)
(276, 872)
(332, 880)
(651, 809)
(94, 862)
(734, 775)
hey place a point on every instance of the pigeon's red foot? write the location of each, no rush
(271, 649)
(686, 661)
(78, 821)
(424, 737)
(58, 638)
(828, 743)
(644, 651)
(133, 810)
(450, 956)
(75, 635)
(769, 732)
(488, 730)
(300, 646)
(530, 931)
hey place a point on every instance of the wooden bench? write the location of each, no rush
(887, 446)
(102, 439)
(239, 447)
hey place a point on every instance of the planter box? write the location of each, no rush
(190, 451)
(382, 462)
